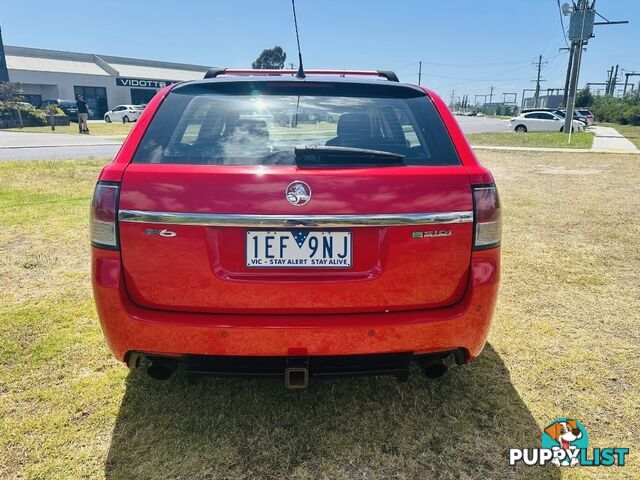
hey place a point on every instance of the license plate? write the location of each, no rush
(298, 249)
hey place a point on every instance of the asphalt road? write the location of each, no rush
(58, 153)
(48, 146)
(54, 146)
(481, 124)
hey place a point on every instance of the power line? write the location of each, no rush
(564, 34)
(475, 65)
(490, 77)
(539, 66)
(458, 65)
(555, 29)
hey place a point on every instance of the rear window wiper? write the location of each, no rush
(325, 156)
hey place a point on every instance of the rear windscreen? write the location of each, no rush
(260, 123)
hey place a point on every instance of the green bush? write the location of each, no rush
(30, 115)
(624, 110)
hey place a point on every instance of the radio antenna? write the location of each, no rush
(300, 73)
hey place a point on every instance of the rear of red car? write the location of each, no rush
(263, 225)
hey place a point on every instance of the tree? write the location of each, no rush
(270, 58)
(10, 94)
(584, 98)
(624, 110)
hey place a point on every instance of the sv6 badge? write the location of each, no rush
(431, 233)
(162, 233)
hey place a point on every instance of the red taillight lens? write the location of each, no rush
(488, 224)
(104, 211)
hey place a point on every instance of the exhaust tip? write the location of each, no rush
(434, 369)
(160, 369)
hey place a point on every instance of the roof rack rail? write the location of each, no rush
(388, 74)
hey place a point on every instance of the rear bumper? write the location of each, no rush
(128, 327)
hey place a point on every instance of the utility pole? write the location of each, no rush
(626, 80)
(581, 26)
(515, 97)
(614, 81)
(539, 65)
(291, 65)
(491, 95)
(420, 73)
(566, 80)
(580, 30)
(453, 94)
(571, 94)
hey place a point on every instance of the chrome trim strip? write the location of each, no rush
(279, 221)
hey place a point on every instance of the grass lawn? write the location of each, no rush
(565, 342)
(532, 139)
(98, 128)
(632, 132)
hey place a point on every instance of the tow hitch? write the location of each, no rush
(296, 375)
(297, 369)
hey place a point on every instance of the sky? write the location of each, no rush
(466, 46)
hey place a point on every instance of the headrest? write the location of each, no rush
(354, 125)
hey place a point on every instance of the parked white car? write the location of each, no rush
(124, 113)
(542, 122)
(586, 116)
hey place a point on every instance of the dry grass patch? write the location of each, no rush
(564, 343)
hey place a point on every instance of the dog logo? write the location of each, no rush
(565, 434)
(565, 443)
(298, 193)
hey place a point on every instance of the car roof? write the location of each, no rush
(346, 79)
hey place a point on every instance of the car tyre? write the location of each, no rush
(572, 129)
(125, 119)
(520, 129)
(107, 119)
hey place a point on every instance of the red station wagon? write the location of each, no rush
(258, 223)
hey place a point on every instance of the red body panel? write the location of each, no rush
(128, 327)
(203, 268)
(175, 316)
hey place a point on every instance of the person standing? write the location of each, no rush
(83, 114)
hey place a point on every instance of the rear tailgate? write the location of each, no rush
(207, 192)
(203, 268)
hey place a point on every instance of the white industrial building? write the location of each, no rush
(105, 81)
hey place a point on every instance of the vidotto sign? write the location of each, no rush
(142, 83)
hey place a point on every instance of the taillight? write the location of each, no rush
(488, 224)
(104, 211)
